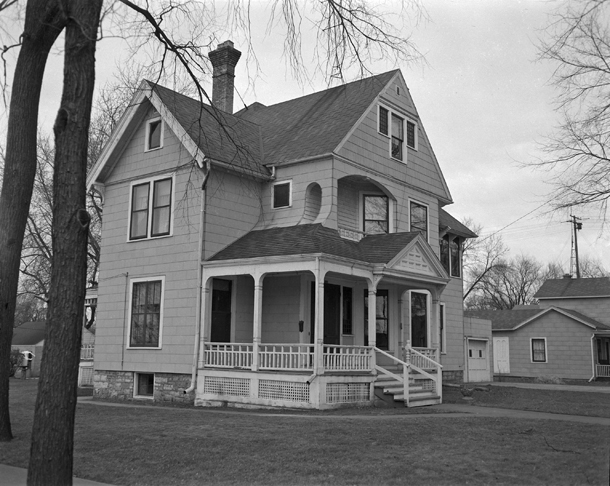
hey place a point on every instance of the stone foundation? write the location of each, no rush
(119, 386)
(453, 376)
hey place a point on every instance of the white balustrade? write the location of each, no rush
(347, 358)
(228, 355)
(602, 371)
(86, 352)
(424, 358)
(289, 357)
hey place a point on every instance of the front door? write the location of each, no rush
(221, 311)
(419, 320)
(332, 314)
(501, 355)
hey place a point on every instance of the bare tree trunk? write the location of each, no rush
(43, 22)
(51, 456)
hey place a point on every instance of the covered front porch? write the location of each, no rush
(601, 355)
(321, 330)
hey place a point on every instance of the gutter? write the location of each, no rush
(201, 248)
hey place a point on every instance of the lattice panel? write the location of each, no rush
(283, 390)
(85, 377)
(347, 392)
(427, 384)
(217, 385)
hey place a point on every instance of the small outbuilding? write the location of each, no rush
(29, 336)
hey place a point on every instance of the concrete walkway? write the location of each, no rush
(17, 476)
(545, 386)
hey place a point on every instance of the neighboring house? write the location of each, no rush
(567, 335)
(29, 336)
(85, 370)
(292, 257)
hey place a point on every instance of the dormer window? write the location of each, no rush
(376, 214)
(154, 134)
(282, 195)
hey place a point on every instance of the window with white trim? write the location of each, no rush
(144, 386)
(151, 208)
(451, 255)
(538, 346)
(282, 195)
(146, 314)
(376, 217)
(418, 218)
(399, 129)
(154, 134)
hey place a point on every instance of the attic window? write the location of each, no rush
(411, 134)
(383, 120)
(398, 90)
(282, 195)
(154, 134)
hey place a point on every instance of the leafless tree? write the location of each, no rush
(350, 27)
(577, 41)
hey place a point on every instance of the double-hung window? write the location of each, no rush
(151, 209)
(418, 217)
(451, 255)
(146, 313)
(539, 350)
(376, 214)
(399, 129)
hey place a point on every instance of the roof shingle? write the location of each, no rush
(574, 288)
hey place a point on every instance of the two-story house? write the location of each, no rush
(287, 255)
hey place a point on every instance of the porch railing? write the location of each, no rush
(86, 352)
(602, 371)
(347, 358)
(424, 358)
(290, 357)
(228, 355)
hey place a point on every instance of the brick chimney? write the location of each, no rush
(224, 59)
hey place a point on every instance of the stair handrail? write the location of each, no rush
(427, 358)
(405, 373)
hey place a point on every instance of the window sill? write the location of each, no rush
(148, 348)
(149, 238)
(153, 149)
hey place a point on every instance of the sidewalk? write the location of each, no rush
(546, 386)
(16, 476)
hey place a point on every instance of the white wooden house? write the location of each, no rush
(291, 255)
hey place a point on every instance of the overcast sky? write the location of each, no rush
(484, 100)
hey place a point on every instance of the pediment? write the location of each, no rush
(419, 258)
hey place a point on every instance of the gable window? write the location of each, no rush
(146, 313)
(154, 134)
(398, 136)
(538, 350)
(399, 129)
(145, 385)
(411, 134)
(376, 214)
(456, 257)
(151, 209)
(418, 217)
(282, 195)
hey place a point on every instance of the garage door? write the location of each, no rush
(478, 364)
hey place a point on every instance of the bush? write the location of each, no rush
(15, 360)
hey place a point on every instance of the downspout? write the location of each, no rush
(592, 357)
(201, 248)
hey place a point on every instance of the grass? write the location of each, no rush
(177, 446)
(552, 401)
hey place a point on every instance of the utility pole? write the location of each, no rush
(574, 262)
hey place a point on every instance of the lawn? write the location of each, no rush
(573, 403)
(177, 446)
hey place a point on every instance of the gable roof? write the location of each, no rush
(559, 288)
(306, 239)
(453, 226)
(510, 320)
(314, 124)
(29, 333)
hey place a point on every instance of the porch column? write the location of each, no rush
(372, 318)
(206, 321)
(318, 367)
(257, 327)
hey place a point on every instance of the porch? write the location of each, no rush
(601, 355)
(303, 376)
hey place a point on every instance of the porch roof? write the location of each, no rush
(314, 238)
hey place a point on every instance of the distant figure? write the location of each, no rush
(26, 360)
